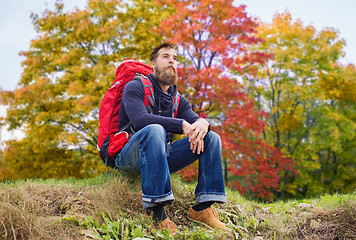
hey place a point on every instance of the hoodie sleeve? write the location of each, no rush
(132, 100)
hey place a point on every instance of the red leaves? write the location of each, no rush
(190, 172)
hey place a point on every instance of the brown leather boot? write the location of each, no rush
(208, 217)
(168, 224)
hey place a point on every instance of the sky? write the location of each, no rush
(16, 29)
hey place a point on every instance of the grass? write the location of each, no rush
(110, 207)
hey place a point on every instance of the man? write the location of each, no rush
(150, 152)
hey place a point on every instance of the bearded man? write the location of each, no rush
(150, 151)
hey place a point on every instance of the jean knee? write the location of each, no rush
(156, 129)
(213, 139)
(156, 132)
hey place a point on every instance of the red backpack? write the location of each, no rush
(110, 139)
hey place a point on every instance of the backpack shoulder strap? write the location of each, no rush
(149, 101)
(176, 102)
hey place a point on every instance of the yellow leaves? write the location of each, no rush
(42, 117)
(86, 103)
(70, 138)
(312, 165)
(292, 188)
(6, 97)
(289, 122)
(86, 100)
(64, 58)
(31, 158)
(7, 174)
(74, 88)
(339, 85)
(275, 109)
(30, 93)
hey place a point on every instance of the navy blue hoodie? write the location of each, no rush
(132, 108)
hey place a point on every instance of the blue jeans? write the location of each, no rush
(146, 152)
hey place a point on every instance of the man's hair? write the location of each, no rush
(155, 51)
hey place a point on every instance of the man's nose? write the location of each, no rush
(172, 60)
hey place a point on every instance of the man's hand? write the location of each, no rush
(196, 133)
(201, 127)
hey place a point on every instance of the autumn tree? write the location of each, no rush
(213, 39)
(67, 70)
(307, 95)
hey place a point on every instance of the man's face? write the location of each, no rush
(165, 66)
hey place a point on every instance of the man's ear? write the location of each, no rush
(153, 64)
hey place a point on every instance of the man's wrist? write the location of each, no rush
(185, 124)
(204, 121)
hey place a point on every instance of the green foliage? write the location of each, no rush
(307, 94)
(128, 228)
(123, 229)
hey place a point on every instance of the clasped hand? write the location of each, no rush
(195, 133)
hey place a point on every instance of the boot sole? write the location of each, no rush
(206, 225)
(210, 227)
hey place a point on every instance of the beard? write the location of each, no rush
(166, 76)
